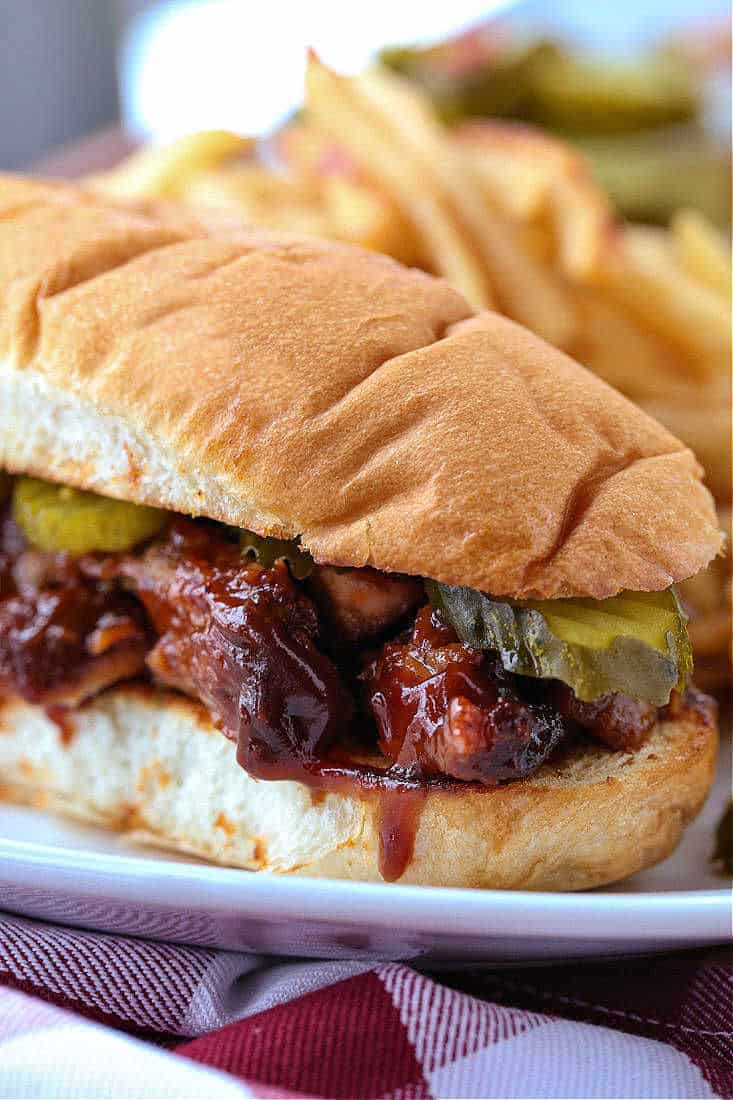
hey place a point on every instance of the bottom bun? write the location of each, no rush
(151, 764)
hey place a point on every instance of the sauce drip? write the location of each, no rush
(399, 818)
(64, 723)
(398, 795)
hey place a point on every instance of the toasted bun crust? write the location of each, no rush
(299, 387)
(150, 764)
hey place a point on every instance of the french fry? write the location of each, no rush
(504, 170)
(526, 290)
(649, 283)
(334, 105)
(703, 423)
(703, 591)
(702, 252)
(472, 245)
(363, 216)
(621, 350)
(531, 175)
(334, 207)
(166, 171)
(707, 598)
(308, 153)
(582, 223)
(536, 238)
(710, 632)
(257, 196)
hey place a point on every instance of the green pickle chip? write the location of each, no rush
(635, 643)
(59, 518)
(593, 96)
(268, 551)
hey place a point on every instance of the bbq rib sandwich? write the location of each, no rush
(306, 566)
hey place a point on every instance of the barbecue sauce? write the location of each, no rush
(450, 710)
(398, 796)
(241, 638)
(63, 722)
(52, 615)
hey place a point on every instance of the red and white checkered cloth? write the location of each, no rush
(88, 1015)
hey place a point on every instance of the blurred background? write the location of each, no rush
(68, 67)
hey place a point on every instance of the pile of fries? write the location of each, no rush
(512, 218)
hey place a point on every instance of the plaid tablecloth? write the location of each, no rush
(88, 1015)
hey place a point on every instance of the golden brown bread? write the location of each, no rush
(150, 763)
(298, 387)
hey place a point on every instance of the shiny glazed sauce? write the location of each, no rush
(238, 637)
(244, 640)
(445, 709)
(241, 638)
(55, 623)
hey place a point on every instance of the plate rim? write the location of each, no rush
(690, 915)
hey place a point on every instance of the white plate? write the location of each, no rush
(85, 877)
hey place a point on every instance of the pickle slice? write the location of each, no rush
(500, 87)
(593, 97)
(635, 643)
(268, 551)
(651, 175)
(58, 518)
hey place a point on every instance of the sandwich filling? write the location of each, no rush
(333, 677)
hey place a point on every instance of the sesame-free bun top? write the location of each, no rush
(299, 387)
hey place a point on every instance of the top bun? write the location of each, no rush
(299, 387)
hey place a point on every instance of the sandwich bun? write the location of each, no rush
(150, 764)
(299, 387)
